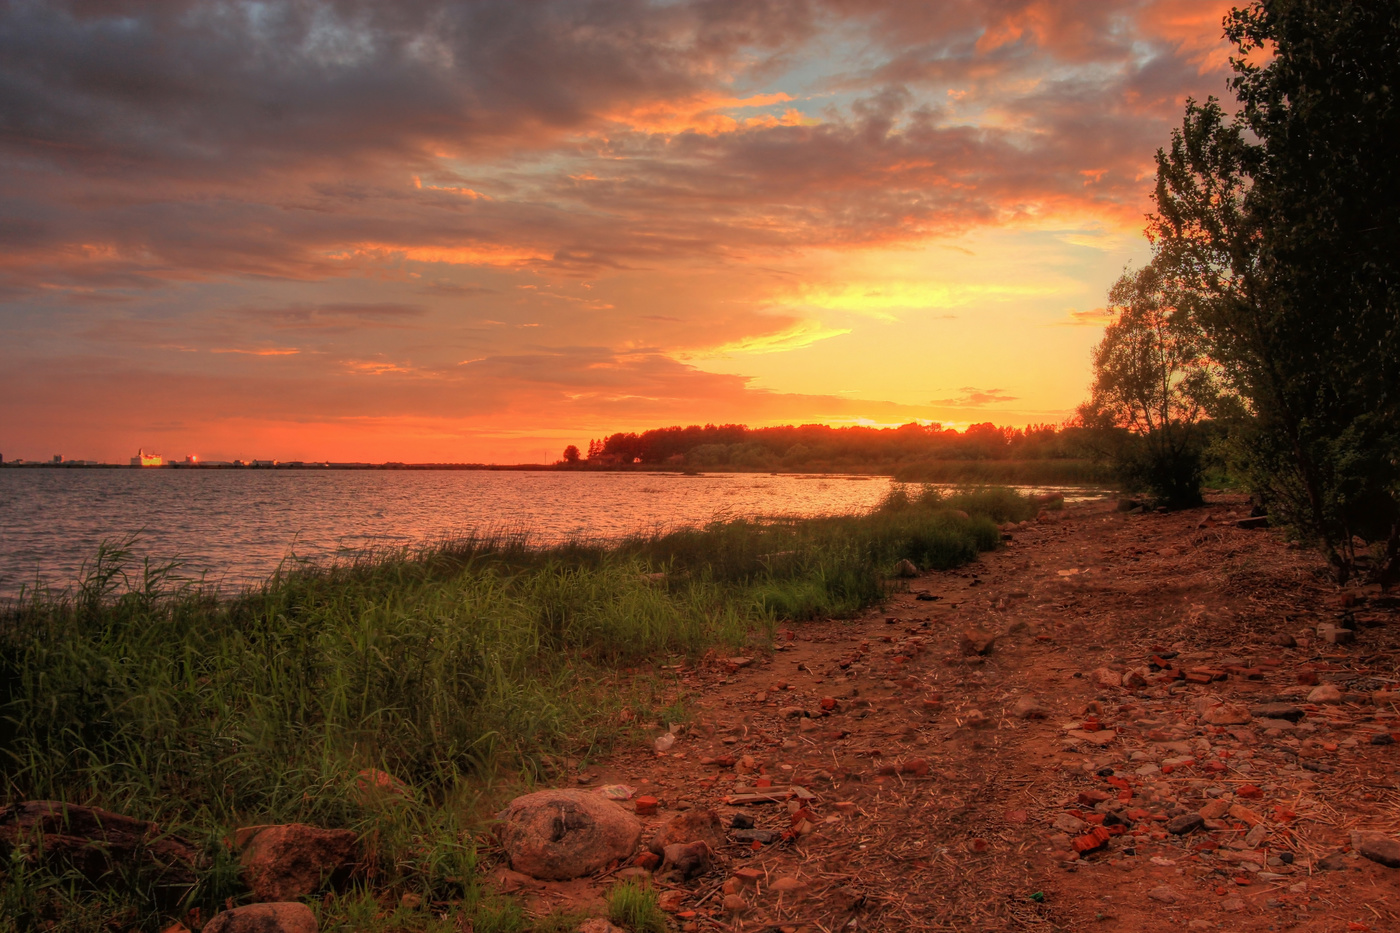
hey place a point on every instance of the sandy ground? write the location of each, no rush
(1141, 682)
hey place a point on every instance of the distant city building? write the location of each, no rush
(58, 458)
(143, 459)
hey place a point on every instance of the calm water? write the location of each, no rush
(237, 525)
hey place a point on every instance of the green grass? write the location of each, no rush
(1049, 472)
(463, 669)
(634, 908)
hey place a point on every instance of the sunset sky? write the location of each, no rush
(480, 231)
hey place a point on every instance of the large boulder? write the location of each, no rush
(264, 918)
(97, 842)
(285, 862)
(560, 834)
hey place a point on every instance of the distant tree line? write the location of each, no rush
(818, 445)
(1269, 316)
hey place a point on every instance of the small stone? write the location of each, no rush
(786, 885)
(688, 859)
(1165, 894)
(1232, 904)
(665, 742)
(1245, 815)
(1334, 862)
(1215, 809)
(1069, 824)
(281, 917)
(1382, 849)
(735, 904)
(1028, 708)
(1335, 635)
(977, 641)
(1185, 823)
(1326, 693)
(1284, 640)
(1106, 678)
(1227, 714)
(1382, 738)
(1101, 738)
(1284, 711)
(693, 826)
(670, 901)
(597, 925)
(373, 785)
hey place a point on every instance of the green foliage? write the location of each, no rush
(634, 907)
(1278, 225)
(1062, 471)
(1152, 379)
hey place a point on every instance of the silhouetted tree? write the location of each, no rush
(571, 454)
(1281, 228)
(1152, 378)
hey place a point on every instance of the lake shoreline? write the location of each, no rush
(457, 670)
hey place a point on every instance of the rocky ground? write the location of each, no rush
(1119, 722)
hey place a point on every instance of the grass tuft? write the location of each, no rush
(634, 907)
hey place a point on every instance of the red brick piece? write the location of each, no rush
(1095, 838)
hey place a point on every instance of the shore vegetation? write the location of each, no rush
(467, 670)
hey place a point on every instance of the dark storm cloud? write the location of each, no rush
(150, 142)
(194, 88)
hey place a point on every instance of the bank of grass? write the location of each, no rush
(458, 668)
(1049, 472)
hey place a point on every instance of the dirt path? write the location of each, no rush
(1027, 788)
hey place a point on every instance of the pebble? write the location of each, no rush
(1326, 693)
(1185, 823)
